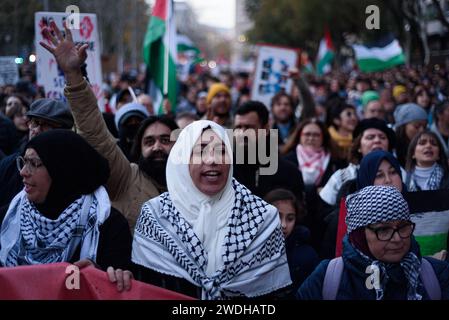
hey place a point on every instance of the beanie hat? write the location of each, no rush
(369, 96)
(374, 123)
(215, 89)
(129, 110)
(408, 112)
(375, 204)
(398, 90)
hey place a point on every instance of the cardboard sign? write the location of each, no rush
(9, 71)
(49, 75)
(271, 75)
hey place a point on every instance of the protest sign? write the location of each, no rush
(49, 75)
(273, 64)
(9, 72)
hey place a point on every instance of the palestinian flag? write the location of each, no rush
(430, 211)
(159, 52)
(326, 53)
(381, 56)
(184, 44)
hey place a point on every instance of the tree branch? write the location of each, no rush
(440, 12)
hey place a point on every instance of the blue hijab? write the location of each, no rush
(370, 164)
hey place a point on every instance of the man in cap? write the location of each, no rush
(44, 115)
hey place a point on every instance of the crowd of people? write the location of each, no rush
(168, 199)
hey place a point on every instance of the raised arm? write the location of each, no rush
(83, 103)
(306, 97)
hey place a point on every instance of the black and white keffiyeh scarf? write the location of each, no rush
(253, 250)
(27, 237)
(433, 183)
(411, 266)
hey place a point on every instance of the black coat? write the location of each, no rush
(314, 218)
(115, 243)
(287, 177)
(302, 258)
(10, 182)
(8, 135)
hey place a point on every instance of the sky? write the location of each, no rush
(217, 13)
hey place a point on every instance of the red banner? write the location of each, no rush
(342, 228)
(63, 281)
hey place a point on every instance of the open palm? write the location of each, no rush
(68, 55)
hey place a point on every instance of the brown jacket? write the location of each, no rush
(128, 187)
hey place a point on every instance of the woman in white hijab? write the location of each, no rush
(208, 236)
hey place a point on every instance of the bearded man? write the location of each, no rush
(130, 184)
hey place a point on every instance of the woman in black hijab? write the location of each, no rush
(63, 213)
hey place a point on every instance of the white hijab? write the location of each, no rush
(208, 215)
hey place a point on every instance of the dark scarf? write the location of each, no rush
(370, 164)
(73, 165)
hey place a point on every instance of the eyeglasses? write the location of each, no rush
(31, 164)
(44, 125)
(387, 233)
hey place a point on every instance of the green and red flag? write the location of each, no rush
(159, 52)
(326, 53)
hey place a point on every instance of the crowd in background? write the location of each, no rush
(338, 135)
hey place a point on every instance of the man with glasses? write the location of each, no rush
(44, 115)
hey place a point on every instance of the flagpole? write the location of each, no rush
(167, 29)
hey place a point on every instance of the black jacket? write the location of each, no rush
(287, 176)
(314, 218)
(302, 258)
(10, 182)
(114, 245)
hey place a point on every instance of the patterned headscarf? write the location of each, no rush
(374, 204)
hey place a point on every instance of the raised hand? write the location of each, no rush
(68, 55)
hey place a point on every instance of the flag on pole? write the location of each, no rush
(379, 57)
(184, 44)
(188, 56)
(326, 53)
(159, 52)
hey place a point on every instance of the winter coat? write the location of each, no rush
(287, 177)
(128, 187)
(302, 258)
(352, 284)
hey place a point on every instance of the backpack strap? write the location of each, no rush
(332, 278)
(430, 280)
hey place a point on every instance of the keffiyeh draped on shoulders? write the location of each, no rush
(28, 237)
(253, 251)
